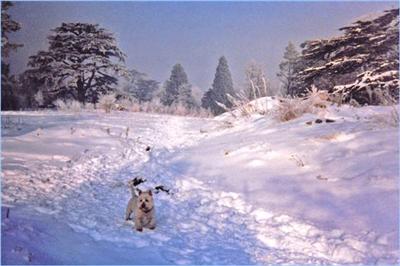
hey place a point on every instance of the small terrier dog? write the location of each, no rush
(142, 206)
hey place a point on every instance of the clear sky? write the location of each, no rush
(156, 35)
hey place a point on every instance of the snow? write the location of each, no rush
(247, 190)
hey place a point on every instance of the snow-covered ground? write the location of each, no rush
(245, 191)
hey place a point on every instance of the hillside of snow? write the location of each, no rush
(244, 190)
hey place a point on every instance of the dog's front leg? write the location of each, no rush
(128, 214)
(138, 224)
(152, 224)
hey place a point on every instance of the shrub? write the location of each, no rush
(38, 97)
(290, 108)
(60, 105)
(68, 106)
(107, 102)
(75, 106)
(124, 104)
(90, 106)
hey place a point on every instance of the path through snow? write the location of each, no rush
(199, 224)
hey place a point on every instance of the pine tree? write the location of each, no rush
(177, 90)
(256, 82)
(8, 83)
(80, 63)
(360, 65)
(218, 98)
(287, 69)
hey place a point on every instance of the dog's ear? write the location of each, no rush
(150, 192)
(139, 191)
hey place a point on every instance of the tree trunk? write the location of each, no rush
(81, 90)
(89, 84)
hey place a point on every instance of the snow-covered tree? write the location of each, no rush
(141, 87)
(28, 88)
(7, 26)
(177, 89)
(8, 82)
(287, 69)
(218, 98)
(362, 64)
(81, 63)
(256, 83)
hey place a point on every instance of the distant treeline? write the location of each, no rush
(83, 63)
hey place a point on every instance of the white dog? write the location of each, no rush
(142, 206)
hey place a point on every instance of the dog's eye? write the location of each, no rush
(146, 200)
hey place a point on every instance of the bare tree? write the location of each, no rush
(256, 83)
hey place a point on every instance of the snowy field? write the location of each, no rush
(245, 191)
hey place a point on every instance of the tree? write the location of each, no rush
(256, 82)
(287, 68)
(178, 89)
(29, 87)
(140, 87)
(218, 98)
(362, 64)
(8, 82)
(80, 63)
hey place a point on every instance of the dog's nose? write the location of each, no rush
(143, 205)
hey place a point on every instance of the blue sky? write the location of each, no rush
(156, 35)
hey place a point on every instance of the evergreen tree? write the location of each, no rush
(362, 64)
(178, 89)
(80, 63)
(287, 69)
(218, 98)
(8, 83)
(140, 87)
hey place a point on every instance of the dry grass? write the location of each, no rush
(68, 106)
(328, 137)
(291, 108)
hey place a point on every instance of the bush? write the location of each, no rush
(90, 106)
(38, 97)
(124, 104)
(60, 105)
(75, 106)
(290, 108)
(155, 106)
(107, 102)
(68, 106)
